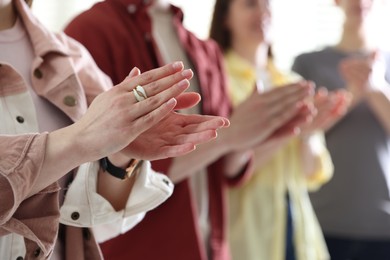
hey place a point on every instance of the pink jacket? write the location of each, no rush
(64, 73)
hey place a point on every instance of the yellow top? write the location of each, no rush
(257, 210)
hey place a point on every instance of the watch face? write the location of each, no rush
(133, 165)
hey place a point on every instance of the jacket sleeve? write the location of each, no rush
(324, 170)
(84, 207)
(21, 158)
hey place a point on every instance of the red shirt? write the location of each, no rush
(118, 34)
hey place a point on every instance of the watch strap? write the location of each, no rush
(118, 172)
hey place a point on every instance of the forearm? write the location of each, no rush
(310, 155)
(115, 190)
(64, 152)
(234, 162)
(379, 101)
(185, 166)
(264, 153)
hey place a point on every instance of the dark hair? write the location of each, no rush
(29, 2)
(218, 30)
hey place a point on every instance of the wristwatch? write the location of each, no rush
(118, 172)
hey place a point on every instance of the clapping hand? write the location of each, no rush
(330, 107)
(363, 74)
(115, 118)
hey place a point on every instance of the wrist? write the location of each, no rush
(119, 160)
(121, 173)
(223, 142)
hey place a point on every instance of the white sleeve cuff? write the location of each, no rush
(84, 207)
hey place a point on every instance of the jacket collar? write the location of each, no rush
(143, 5)
(139, 4)
(43, 40)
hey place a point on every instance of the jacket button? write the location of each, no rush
(20, 119)
(38, 73)
(146, 2)
(37, 252)
(70, 101)
(19, 258)
(132, 8)
(148, 37)
(75, 215)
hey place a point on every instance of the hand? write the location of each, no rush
(175, 135)
(260, 115)
(330, 108)
(292, 128)
(363, 74)
(115, 118)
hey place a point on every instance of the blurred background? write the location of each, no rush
(299, 25)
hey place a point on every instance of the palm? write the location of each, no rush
(175, 135)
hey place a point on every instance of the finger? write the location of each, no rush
(197, 138)
(153, 75)
(283, 117)
(162, 84)
(322, 91)
(148, 120)
(295, 90)
(287, 103)
(151, 103)
(187, 100)
(177, 150)
(285, 132)
(205, 124)
(133, 73)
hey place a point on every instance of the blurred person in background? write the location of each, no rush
(271, 216)
(59, 115)
(191, 225)
(353, 208)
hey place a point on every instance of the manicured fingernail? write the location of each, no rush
(133, 71)
(172, 101)
(184, 83)
(187, 73)
(177, 65)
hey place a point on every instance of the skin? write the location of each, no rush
(249, 23)
(98, 133)
(244, 133)
(358, 71)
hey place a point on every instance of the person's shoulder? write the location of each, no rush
(99, 14)
(71, 47)
(313, 55)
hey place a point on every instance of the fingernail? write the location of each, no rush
(187, 73)
(133, 71)
(184, 83)
(177, 65)
(172, 101)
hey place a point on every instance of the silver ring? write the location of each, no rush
(139, 93)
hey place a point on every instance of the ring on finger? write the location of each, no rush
(139, 93)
